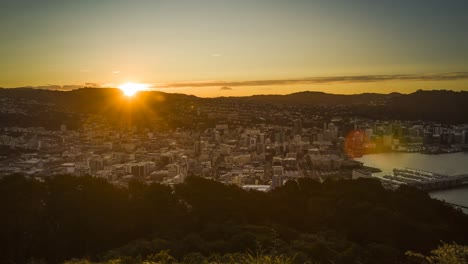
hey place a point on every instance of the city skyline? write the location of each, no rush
(222, 48)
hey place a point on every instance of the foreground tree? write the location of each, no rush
(64, 217)
(445, 254)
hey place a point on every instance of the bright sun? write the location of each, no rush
(130, 89)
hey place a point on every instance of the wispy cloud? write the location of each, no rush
(225, 88)
(333, 79)
(115, 72)
(67, 87)
(93, 85)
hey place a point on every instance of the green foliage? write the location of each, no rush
(358, 221)
(445, 254)
(164, 257)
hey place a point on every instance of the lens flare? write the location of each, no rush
(353, 144)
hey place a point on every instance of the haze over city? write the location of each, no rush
(234, 48)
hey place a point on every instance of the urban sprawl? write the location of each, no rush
(261, 156)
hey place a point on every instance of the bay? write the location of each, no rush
(449, 164)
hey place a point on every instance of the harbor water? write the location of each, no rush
(448, 164)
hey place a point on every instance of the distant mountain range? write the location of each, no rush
(315, 98)
(441, 106)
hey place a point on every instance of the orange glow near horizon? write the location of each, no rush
(130, 89)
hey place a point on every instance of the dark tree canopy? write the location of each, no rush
(358, 221)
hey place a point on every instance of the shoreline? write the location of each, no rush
(412, 152)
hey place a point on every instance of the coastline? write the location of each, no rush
(448, 163)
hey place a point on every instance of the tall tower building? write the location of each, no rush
(277, 178)
(298, 127)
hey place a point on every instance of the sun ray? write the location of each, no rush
(130, 89)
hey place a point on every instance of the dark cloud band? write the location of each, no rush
(334, 79)
(227, 85)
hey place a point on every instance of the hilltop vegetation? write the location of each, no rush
(358, 221)
(51, 108)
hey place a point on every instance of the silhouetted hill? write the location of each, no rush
(441, 106)
(50, 108)
(89, 99)
(444, 106)
(317, 98)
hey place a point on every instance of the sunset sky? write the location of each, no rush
(236, 47)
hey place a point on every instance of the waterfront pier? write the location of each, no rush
(424, 180)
